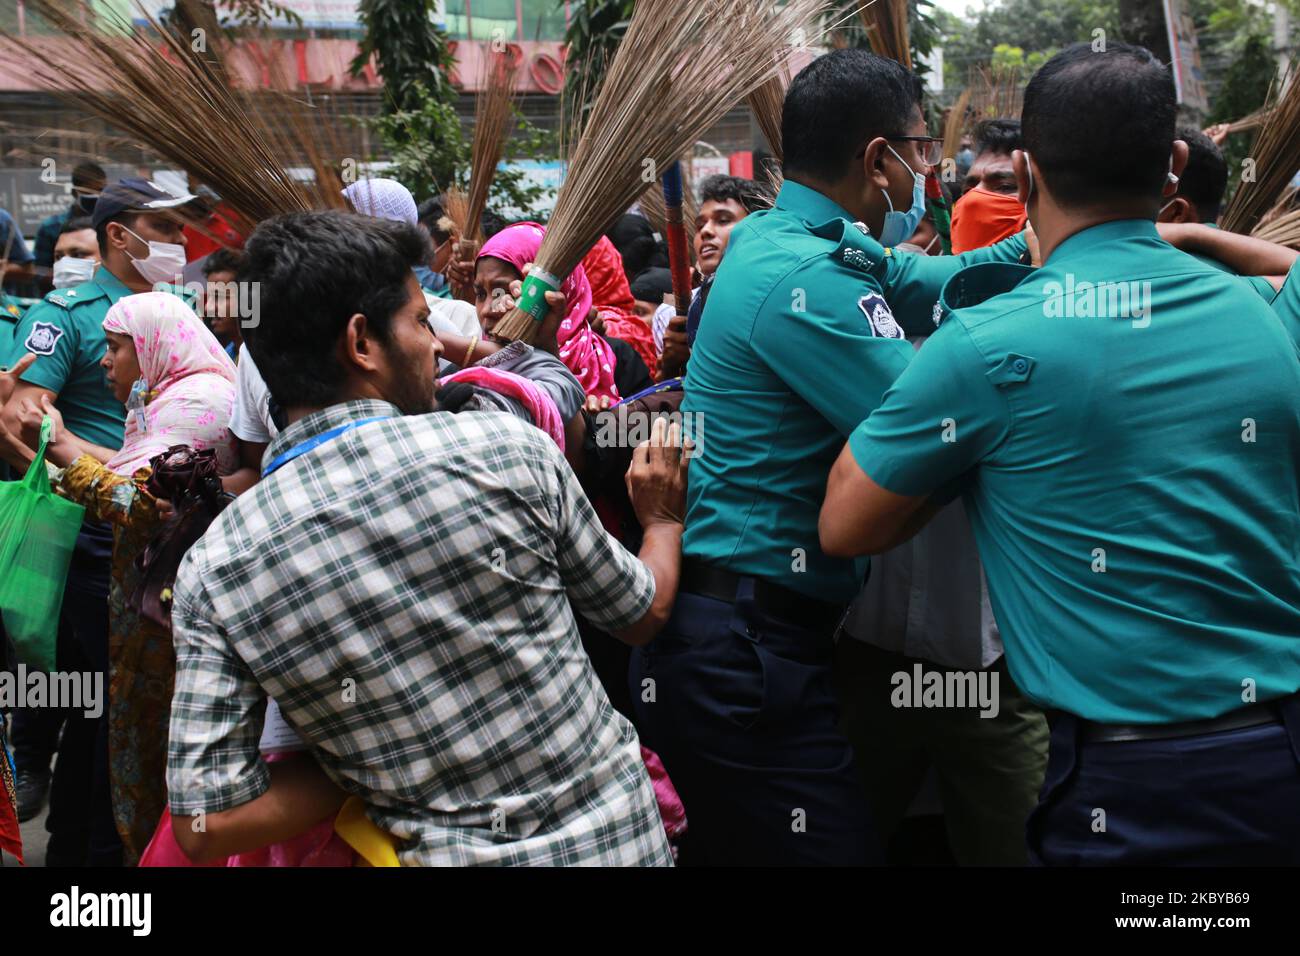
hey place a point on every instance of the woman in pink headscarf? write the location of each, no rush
(178, 386)
(500, 262)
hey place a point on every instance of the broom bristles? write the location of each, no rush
(955, 124)
(887, 30)
(1251, 121)
(180, 106)
(664, 88)
(767, 102)
(493, 110)
(1281, 224)
(456, 205)
(1277, 144)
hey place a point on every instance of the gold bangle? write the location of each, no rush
(469, 352)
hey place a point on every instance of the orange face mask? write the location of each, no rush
(981, 218)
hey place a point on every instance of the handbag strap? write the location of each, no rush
(37, 478)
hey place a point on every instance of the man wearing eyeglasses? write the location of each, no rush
(803, 334)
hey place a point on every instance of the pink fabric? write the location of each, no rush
(190, 378)
(540, 405)
(614, 302)
(671, 810)
(586, 354)
(319, 846)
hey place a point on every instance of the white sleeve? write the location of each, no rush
(251, 419)
(659, 324)
(453, 315)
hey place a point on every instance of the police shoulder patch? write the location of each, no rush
(43, 337)
(879, 317)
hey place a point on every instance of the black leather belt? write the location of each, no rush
(791, 607)
(1252, 715)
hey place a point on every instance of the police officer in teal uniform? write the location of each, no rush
(140, 247)
(802, 335)
(1125, 426)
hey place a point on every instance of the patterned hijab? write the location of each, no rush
(188, 381)
(586, 354)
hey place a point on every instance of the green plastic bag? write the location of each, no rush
(38, 531)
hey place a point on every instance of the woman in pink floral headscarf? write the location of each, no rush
(178, 385)
(184, 371)
(587, 355)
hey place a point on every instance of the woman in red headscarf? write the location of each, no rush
(612, 297)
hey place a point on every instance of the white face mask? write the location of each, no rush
(164, 263)
(70, 271)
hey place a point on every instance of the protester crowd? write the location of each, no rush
(369, 583)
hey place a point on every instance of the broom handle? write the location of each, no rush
(678, 261)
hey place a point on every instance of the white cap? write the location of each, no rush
(383, 199)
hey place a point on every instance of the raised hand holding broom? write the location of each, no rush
(661, 92)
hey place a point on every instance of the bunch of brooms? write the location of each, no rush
(494, 108)
(152, 83)
(1274, 157)
(663, 89)
(678, 70)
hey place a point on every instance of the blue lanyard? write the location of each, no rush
(302, 448)
(671, 385)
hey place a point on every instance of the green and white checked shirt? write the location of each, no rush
(403, 592)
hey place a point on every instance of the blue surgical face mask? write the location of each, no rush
(899, 226)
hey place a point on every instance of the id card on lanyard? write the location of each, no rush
(316, 441)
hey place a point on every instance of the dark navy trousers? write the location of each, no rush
(80, 823)
(740, 707)
(1221, 799)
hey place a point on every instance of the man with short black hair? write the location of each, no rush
(1142, 462)
(432, 274)
(221, 298)
(1201, 184)
(988, 210)
(724, 201)
(798, 343)
(76, 253)
(403, 585)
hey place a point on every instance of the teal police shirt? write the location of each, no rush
(65, 331)
(1286, 303)
(801, 336)
(1125, 425)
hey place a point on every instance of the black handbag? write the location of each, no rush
(190, 481)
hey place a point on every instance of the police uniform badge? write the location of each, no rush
(879, 317)
(43, 337)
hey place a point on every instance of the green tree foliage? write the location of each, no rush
(923, 29)
(419, 126)
(596, 28)
(1234, 36)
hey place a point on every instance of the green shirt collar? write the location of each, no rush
(810, 205)
(111, 285)
(1080, 244)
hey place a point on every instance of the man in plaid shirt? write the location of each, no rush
(401, 584)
